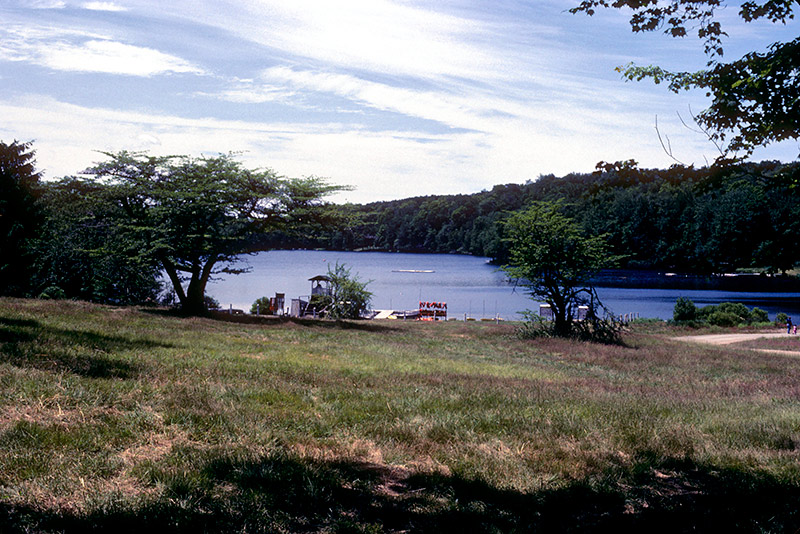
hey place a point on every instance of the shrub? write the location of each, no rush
(260, 306)
(211, 303)
(53, 293)
(724, 314)
(168, 297)
(534, 328)
(592, 329)
(607, 331)
(647, 320)
(684, 310)
(722, 318)
(757, 315)
(321, 304)
(705, 312)
(736, 308)
(781, 318)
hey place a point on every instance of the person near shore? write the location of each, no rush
(788, 325)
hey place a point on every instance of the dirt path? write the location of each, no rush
(728, 339)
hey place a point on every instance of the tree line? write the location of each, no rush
(687, 219)
(109, 235)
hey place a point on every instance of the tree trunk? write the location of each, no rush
(562, 319)
(194, 303)
(172, 272)
(195, 294)
(562, 323)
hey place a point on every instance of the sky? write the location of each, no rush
(394, 98)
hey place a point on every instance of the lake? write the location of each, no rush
(469, 285)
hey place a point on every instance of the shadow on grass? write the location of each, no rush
(284, 494)
(278, 320)
(362, 325)
(267, 320)
(30, 344)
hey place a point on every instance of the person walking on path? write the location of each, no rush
(788, 325)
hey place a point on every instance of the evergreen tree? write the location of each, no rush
(19, 216)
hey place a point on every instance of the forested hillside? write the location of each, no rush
(681, 218)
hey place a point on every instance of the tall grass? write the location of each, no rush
(125, 418)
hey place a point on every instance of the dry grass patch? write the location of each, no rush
(789, 343)
(365, 427)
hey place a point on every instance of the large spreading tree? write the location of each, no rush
(197, 216)
(755, 100)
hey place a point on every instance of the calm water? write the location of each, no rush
(468, 284)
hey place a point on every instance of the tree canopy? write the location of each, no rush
(82, 252)
(755, 100)
(555, 261)
(196, 216)
(681, 219)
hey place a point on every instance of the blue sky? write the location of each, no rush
(395, 98)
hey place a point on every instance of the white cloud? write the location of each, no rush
(56, 48)
(67, 136)
(32, 34)
(61, 4)
(112, 58)
(46, 4)
(248, 93)
(378, 34)
(103, 6)
(385, 164)
(578, 106)
(393, 38)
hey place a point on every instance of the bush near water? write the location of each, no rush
(724, 314)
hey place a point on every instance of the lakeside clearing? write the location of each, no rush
(127, 419)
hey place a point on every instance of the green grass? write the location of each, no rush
(126, 419)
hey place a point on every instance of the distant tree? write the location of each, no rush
(703, 220)
(555, 261)
(755, 100)
(196, 216)
(685, 310)
(779, 247)
(211, 303)
(19, 215)
(260, 306)
(349, 297)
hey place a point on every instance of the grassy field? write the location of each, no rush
(125, 419)
(789, 343)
